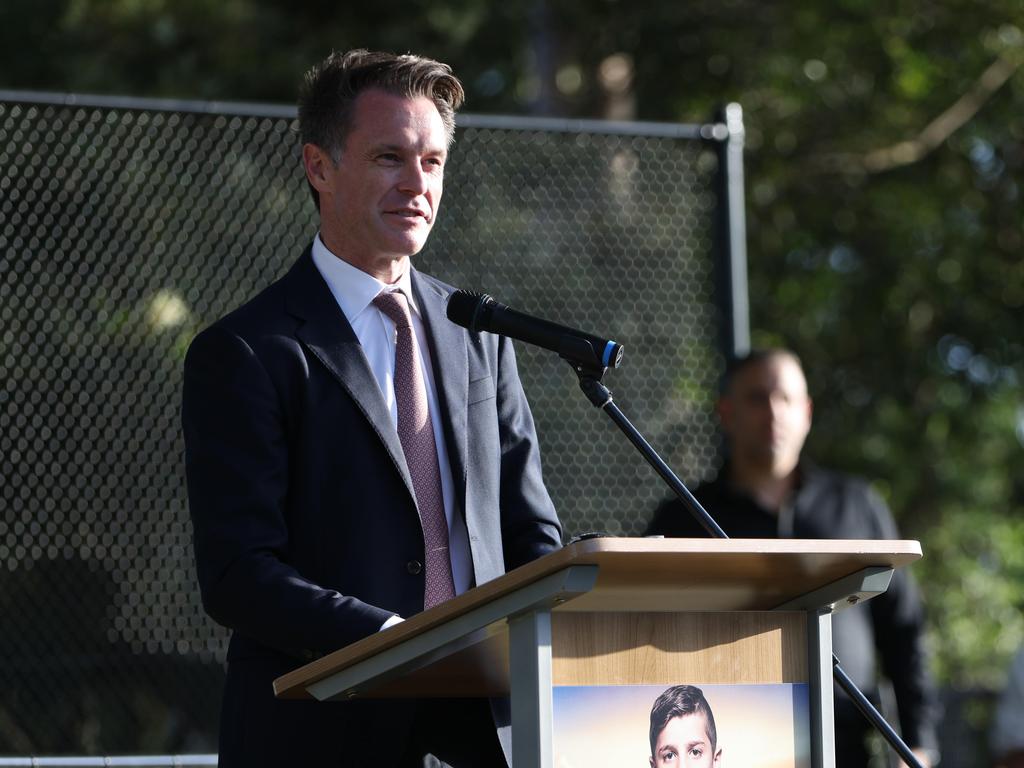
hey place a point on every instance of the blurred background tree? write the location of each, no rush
(885, 152)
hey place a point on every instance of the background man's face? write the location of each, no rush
(684, 742)
(767, 413)
(384, 193)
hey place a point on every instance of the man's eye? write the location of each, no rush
(696, 752)
(389, 157)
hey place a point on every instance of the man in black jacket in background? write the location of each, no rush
(765, 490)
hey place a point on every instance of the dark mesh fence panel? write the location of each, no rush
(610, 234)
(124, 231)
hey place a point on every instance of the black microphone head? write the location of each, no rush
(464, 308)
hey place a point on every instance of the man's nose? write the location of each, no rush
(413, 179)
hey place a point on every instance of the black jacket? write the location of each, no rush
(889, 629)
(307, 535)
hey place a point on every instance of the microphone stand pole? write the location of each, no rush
(600, 397)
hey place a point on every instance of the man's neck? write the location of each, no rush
(386, 268)
(771, 488)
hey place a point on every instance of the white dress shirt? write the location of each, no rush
(355, 290)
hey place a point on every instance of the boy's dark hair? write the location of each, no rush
(330, 89)
(679, 701)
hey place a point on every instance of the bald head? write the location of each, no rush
(766, 412)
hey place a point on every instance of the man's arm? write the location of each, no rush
(237, 464)
(672, 519)
(899, 628)
(529, 524)
(1006, 737)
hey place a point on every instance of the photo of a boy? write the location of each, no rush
(683, 730)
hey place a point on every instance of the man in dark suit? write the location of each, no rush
(314, 485)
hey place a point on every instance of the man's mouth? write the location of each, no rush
(410, 213)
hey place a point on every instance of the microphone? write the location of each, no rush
(480, 312)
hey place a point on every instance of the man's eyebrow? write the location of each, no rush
(400, 148)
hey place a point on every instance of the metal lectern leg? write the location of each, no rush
(819, 651)
(530, 675)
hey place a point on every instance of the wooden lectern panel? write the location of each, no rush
(666, 648)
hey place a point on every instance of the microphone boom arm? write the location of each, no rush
(599, 395)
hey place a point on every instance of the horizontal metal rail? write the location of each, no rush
(715, 132)
(124, 761)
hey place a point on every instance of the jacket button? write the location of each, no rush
(414, 567)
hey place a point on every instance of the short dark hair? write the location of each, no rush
(679, 701)
(739, 363)
(330, 89)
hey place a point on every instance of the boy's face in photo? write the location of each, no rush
(684, 742)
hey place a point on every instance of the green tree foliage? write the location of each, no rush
(885, 152)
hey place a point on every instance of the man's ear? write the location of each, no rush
(317, 164)
(723, 407)
(717, 762)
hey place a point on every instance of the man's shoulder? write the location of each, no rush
(672, 518)
(836, 499)
(262, 316)
(826, 478)
(705, 491)
(266, 307)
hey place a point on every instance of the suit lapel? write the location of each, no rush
(450, 363)
(328, 335)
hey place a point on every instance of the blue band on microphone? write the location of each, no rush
(606, 357)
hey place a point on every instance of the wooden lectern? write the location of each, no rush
(624, 612)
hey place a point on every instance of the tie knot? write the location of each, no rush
(395, 306)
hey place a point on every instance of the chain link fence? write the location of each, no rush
(126, 226)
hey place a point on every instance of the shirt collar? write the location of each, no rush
(353, 289)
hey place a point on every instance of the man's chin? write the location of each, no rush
(782, 464)
(406, 246)
(775, 461)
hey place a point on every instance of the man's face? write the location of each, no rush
(380, 201)
(767, 414)
(684, 742)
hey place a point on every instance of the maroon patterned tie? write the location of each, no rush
(416, 433)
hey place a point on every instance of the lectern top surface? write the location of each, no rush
(721, 574)
(655, 575)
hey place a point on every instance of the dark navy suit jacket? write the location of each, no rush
(305, 524)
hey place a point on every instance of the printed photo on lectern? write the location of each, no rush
(687, 724)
